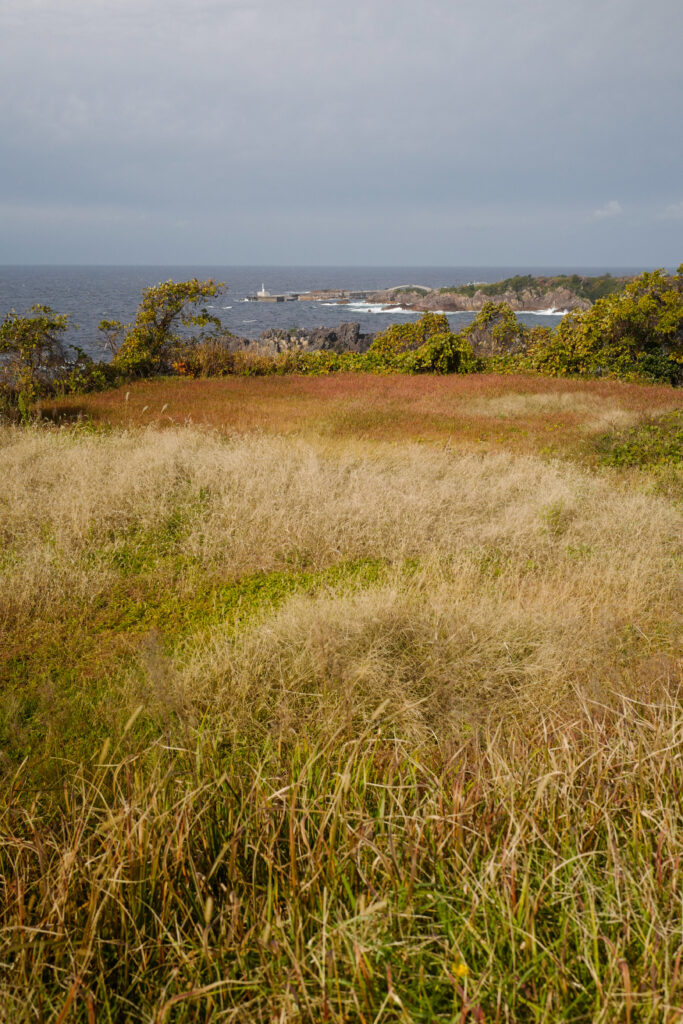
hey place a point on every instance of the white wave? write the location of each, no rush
(227, 307)
(544, 312)
(526, 312)
(372, 307)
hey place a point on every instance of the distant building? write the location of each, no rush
(265, 296)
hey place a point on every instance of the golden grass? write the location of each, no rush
(594, 411)
(526, 579)
(304, 720)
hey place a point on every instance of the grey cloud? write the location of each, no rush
(269, 123)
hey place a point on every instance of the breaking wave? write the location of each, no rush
(376, 307)
(544, 312)
(371, 307)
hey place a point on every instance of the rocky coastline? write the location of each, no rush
(530, 300)
(560, 294)
(346, 337)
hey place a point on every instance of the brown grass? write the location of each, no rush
(478, 411)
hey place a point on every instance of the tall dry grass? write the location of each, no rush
(417, 733)
(526, 578)
(259, 502)
(532, 874)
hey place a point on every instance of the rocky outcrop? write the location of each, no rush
(531, 300)
(346, 337)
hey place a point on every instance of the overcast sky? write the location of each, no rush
(439, 132)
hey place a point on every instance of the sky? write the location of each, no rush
(441, 133)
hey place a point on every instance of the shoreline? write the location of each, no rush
(540, 294)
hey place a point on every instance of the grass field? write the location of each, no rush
(484, 411)
(343, 699)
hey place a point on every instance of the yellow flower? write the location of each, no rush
(460, 969)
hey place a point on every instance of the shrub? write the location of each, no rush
(496, 331)
(442, 353)
(84, 374)
(148, 344)
(401, 338)
(428, 345)
(34, 353)
(637, 333)
(210, 357)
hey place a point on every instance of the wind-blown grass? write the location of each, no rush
(530, 874)
(303, 728)
(118, 545)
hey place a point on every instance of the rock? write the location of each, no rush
(346, 337)
(531, 300)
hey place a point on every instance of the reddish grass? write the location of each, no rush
(459, 410)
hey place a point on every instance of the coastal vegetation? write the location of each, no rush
(635, 333)
(591, 288)
(33, 353)
(147, 344)
(344, 696)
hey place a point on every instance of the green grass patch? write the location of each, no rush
(62, 678)
(656, 443)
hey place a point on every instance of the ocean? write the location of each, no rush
(91, 294)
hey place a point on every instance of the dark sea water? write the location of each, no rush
(91, 294)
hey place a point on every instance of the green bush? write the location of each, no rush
(400, 338)
(496, 331)
(634, 334)
(148, 344)
(33, 354)
(84, 374)
(426, 346)
(442, 353)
